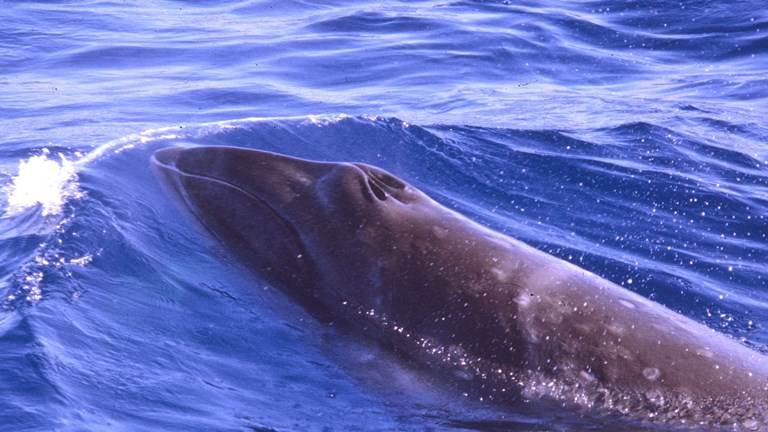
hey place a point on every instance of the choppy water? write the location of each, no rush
(628, 137)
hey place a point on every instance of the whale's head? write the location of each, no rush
(339, 231)
(355, 240)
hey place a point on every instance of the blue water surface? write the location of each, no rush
(627, 137)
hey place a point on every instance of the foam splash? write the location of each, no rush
(42, 182)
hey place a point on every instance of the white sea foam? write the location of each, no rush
(44, 182)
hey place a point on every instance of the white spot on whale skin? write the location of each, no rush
(499, 274)
(705, 352)
(440, 232)
(615, 330)
(651, 374)
(751, 425)
(587, 376)
(627, 304)
(523, 300)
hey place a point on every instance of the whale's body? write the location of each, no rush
(355, 243)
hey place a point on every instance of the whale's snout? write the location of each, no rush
(239, 197)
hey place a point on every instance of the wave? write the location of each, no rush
(674, 217)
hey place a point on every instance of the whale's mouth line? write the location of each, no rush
(302, 257)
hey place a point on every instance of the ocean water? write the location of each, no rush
(627, 137)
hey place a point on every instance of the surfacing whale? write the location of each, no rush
(354, 243)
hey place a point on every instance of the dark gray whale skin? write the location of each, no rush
(355, 243)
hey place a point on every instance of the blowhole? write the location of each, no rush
(377, 190)
(388, 180)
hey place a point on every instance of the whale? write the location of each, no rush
(355, 244)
